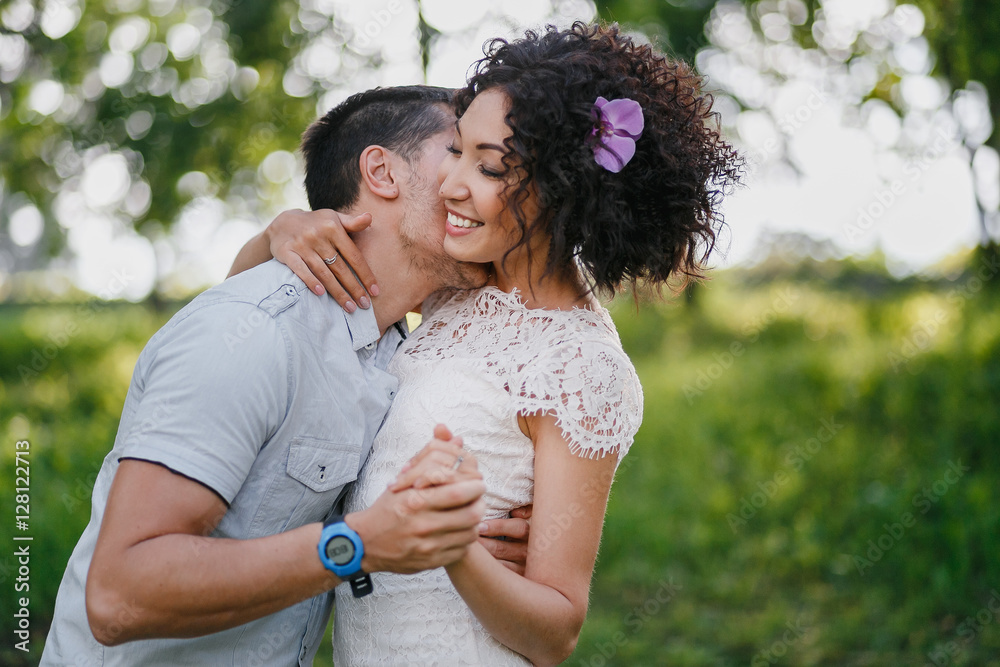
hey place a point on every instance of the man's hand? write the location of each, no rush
(302, 240)
(512, 549)
(429, 517)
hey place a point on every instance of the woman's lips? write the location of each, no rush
(459, 226)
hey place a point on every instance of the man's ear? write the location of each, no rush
(378, 172)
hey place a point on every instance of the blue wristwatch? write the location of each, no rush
(341, 551)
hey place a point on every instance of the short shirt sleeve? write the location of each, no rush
(593, 391)
(213, 387)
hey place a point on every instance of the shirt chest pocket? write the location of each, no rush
(323, 465)
(306, 488)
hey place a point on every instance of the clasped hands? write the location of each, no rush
(433, 511)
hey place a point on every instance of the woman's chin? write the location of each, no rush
(461, 251)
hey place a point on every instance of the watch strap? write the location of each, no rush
(361, 581)
(362, 585)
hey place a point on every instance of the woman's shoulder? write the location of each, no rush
(575, 327)
(494, 321)
(583, 377)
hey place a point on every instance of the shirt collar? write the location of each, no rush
(363, 327)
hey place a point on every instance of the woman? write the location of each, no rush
(581, 162)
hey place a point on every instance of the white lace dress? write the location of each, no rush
(478, 360)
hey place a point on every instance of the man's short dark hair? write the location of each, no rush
(399, 119)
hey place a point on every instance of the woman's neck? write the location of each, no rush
(553, 292)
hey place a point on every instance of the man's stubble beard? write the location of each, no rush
(427, 256)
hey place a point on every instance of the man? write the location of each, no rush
(249, 413)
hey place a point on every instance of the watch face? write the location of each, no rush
(340, 550)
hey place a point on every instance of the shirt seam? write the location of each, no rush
(290, 379)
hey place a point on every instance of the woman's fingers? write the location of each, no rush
(334, 282)
(520, 569)
(350, 253)
(304, 240)
(443, 433)
(436, 468)
(441, 461)
(512, 554)
(441, 437)
(302, 270)
(515, 530)
(445, 470)
(331, 241)
(523, 512)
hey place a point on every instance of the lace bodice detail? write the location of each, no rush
(567, 362)
(478, 360)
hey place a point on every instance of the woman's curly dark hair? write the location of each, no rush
(645, 223)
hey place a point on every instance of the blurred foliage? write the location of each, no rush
(961, 36)
(173, 86)
(679, 27)
(64, 372)
(793, 413)
(208, 88)
(962, 33)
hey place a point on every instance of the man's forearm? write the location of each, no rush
(256, 251)
(185, 585)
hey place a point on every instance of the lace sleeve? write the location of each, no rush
(593, 391)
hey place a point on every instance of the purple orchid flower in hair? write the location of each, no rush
(617, 126)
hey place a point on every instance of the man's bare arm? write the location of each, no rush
(156, 573)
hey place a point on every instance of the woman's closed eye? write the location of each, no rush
(489, 173)
(483, 169)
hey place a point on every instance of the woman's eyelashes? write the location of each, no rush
(488, 173)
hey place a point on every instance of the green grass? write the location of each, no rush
(820, 402)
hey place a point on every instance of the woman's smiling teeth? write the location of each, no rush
(456, 221)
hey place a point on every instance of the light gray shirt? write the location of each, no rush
(270, 396)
